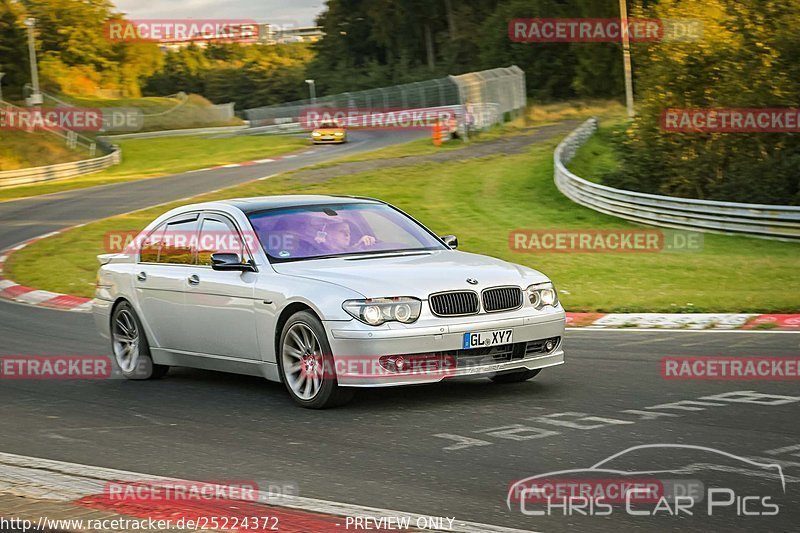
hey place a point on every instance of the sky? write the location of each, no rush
(293, 12)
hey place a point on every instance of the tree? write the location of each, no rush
(13, 50)
(746, 58)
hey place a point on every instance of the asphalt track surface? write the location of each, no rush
(451, 449)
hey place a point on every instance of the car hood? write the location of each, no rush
(418, 274)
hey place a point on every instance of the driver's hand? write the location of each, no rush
(366, 240)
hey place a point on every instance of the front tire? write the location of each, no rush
(516, 377)
(306, 364)
(130, 347)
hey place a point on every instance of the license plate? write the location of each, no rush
(485, 339)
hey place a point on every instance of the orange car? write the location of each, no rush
(329, 132)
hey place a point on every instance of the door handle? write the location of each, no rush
(194, 279)
(141, 276)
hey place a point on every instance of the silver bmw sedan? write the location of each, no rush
(323, 293)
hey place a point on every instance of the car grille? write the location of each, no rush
(500, 354)
(454, 303)
(486, 356)
(502, 299)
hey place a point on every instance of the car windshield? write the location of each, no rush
(329, 125)
(317, 231)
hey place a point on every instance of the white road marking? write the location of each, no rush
(264, 160)
(46, 479)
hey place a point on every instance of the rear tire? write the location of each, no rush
(516, 377)
(306, 365)
(130, 347)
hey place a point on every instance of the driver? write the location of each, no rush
(337, 237)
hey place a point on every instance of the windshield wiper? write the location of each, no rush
(388, 254)
(354, 256)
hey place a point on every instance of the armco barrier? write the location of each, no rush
(177, 133)
(23, 176)
(761, 220)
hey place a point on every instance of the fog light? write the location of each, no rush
(550, 345)
(393, 363)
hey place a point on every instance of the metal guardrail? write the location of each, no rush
(761, 220)
(24, 176)
(177, 133)
(72, 169)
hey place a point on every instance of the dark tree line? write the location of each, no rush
(373, 43)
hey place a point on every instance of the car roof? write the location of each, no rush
(262, 203)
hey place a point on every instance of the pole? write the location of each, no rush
(312, 89)
(36, 98)
(626, 56)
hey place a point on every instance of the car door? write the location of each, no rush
(220, 309)
(160, 279)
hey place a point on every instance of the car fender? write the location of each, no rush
(275, 293)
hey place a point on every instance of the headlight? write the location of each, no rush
(376, 311)
(316, 134)
(338, 133)
(542, 294)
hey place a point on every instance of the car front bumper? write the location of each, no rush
(357, 348)
(336, 140)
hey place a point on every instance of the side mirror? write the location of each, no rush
(230, 262)
(451, 241)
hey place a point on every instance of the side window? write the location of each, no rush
(179, 243)
(217, 236)
(152, 245)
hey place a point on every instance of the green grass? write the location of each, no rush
(162, 113)
(19, 149)
(598, 157)
(548, 112)
(147, 158)
(481, 201)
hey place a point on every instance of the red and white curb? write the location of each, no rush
(10, 290)
(685, 321)
(87, 487)
(254, 162)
